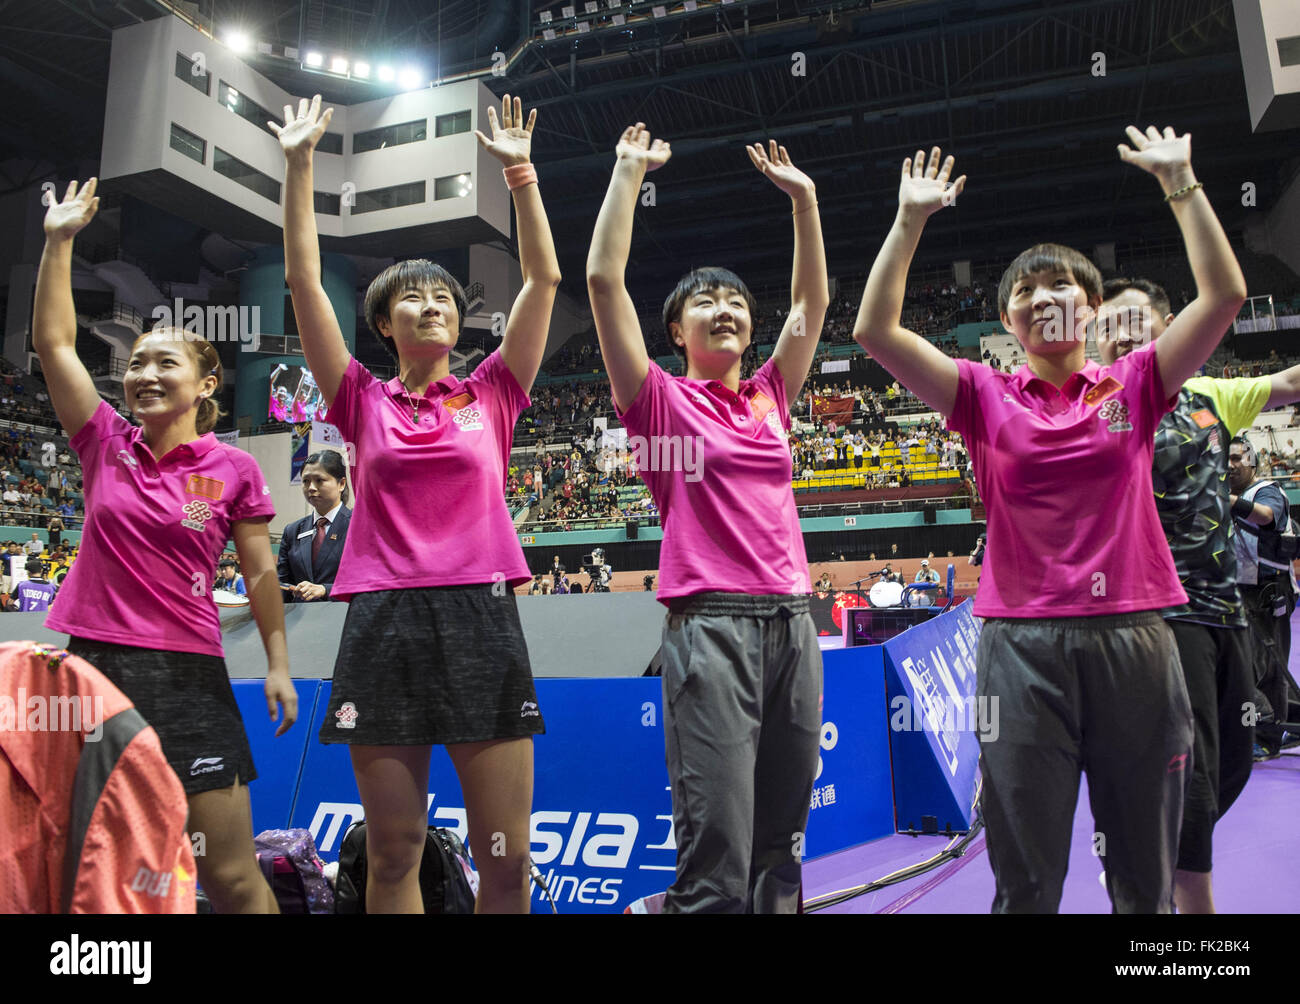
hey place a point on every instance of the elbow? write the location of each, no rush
(600, 283)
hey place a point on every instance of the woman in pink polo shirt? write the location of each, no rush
(741, 662)
(432, 650)
(161, 501)
(1073, 648)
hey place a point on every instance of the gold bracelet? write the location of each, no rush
(796, 212)
(1183, 191)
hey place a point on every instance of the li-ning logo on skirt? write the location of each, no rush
(346, 715)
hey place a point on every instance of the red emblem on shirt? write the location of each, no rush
(1204, 418)
(207, 487)
(1103, 390)
(458, 402)
(760, 404)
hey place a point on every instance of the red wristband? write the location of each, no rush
(519, 175)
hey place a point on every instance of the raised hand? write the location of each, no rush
(1167, 156)
(635, 145)
(512, 140)
(64, 219)
(925, 187)
(778, 169)
(300, 133)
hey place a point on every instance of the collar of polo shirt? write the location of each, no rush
(1090, 375)
(444, 384)
(195, 448)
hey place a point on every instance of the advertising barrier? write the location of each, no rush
(602, 832)
(935, 721)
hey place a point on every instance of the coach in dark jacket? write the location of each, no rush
(311, 547)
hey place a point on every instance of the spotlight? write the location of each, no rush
(361, 70)
(548, 34)
(591, 7)
(338, 65)
(566, 12)
(238, 41)
(689, 5)
(314, 59)
(659, 11)
(544, 17)
(264, 48)
(410, 78)
(583, 27)
(385, 74)
(618, 19)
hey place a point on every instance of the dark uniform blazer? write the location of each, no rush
(294, 565)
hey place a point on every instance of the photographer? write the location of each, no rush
(1264, 550)
(599, 573)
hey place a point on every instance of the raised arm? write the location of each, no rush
(524, 342)
(54, 315)
(1284, 388)
(318, 329)
(1220, 287)
(809, 292)
(622, 344)
(918, 365)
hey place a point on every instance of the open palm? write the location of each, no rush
(635, 145)
(300, 133)
(64, 219)
(924, 186)
(1157, 153)
(512, 139)
(778, 169)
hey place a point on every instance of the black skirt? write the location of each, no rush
(432, 666)
(188, 700)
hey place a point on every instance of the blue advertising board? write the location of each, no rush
(935, 720)
(601, 824)
(279, 760)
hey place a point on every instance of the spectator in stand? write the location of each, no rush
(54, 528)
(34, 547)
(229, 579)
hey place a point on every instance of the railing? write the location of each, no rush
(122, 312)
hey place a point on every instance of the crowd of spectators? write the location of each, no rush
(580, 483)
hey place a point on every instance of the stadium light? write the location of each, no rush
(238, 41)
(338, 65)
(410, 78)
(314, 59)
(361, 70)
(385, 74)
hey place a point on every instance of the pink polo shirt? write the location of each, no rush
(1066, 479)
(718, 466)
(155, 528)
(430, 495)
